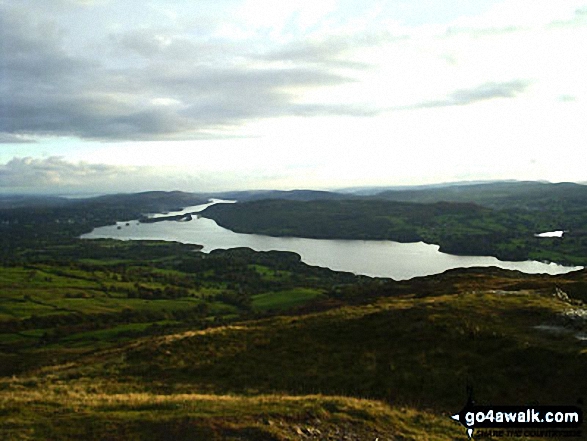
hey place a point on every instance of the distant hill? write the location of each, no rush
(373, 190)
(149, 200)
(17, 201)
(152, 200)
(290, 195)
(525, 195)
(520, 195)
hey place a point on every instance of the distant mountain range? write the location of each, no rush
(290, 195)
(532, 195)
(148, 200)
(516, 194)
(495, 194)
(373, 190)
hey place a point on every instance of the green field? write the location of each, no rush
(67, 304)
(284, 299)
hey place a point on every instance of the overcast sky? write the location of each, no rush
(104, 95)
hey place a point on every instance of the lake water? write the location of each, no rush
(558, 233)
(399, 261)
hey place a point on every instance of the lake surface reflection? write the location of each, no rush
(399, 261)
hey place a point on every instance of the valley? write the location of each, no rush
(150, 339)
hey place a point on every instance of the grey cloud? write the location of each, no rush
(567, 98)
(56, 175)
(480, 32)
(579, 18)
(34, 61)
(143, 43)
(56, 172)
(163, 44)
(489, 91)
(6, 138)
(319, 109)
(154, 85)
(486, 91)
(212, 98)
(330, 52)
(60, 5)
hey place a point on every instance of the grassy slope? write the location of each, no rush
(69, 300)
(394, 365)
(67, 413)
(416, 352)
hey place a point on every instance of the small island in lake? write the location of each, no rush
(186, 217)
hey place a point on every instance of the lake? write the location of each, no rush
(399, 261)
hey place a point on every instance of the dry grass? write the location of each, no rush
(66, 409)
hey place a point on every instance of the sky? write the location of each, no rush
(101, 96)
